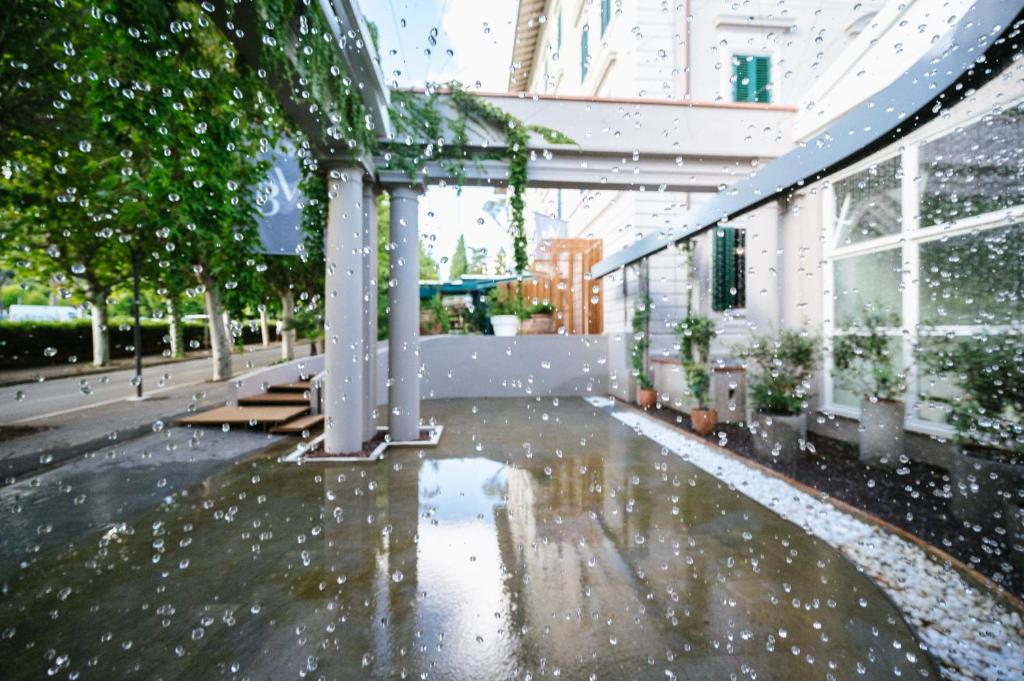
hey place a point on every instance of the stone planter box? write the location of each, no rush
(538, 324)
(983, 486)
(881, 435)
(505, 325)
(776, 437)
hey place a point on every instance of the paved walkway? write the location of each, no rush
(58, 420)
(542, 538)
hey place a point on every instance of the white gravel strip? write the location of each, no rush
(971, 634)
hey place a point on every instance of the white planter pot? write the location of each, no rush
(505, 324)
(777, 437)
(881, 436)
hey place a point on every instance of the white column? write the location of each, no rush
(404, 319)
(369, 309)
(762, 260)
(343, 312)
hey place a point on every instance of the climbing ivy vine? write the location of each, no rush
(421, 126)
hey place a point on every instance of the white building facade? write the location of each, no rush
(927, 230)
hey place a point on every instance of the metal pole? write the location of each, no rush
(138, 323)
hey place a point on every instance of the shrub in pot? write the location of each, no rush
(862, 355)
(506, 310)
(696, 333)
(988, 416)
(646, 395)
(782, 368)
(539, 319)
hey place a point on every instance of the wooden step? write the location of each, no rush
(296, 387)
(303, 423)
(265, 416)
(279, 399)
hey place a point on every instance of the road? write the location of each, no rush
(34, 402)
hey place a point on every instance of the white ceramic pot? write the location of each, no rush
(505, 324)
(881, 437)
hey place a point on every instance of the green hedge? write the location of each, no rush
(33, 343)
(28, 344)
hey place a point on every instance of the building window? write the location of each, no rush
(869, 203)
(584, 52)
(606, 14)
(728, 269)
(931, 239)
(752, 79)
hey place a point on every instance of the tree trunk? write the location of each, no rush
(287, 334)
(220, 342)
(174, 326)
(312, 348)
(100, 332)
(264, 326)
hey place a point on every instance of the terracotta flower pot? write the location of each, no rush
(703, 420)
(646, 398)
(538, 324)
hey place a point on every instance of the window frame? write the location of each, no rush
(732, 77)
(909, 239)
(584, 53)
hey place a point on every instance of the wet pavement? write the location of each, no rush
(541, 539)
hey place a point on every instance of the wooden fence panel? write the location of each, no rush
(560, 276)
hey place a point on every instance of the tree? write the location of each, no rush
(477, 261)
(459, 263)
(501, 266)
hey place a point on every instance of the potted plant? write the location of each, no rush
(780, 387)
(505, 310)
(646, 395)
(863, 358)
(987, 411)
(540, 319)
(696, 333)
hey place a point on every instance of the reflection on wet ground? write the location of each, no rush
(542, 538)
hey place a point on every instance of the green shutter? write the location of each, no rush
(723, 269)
(762, 77)
(741, 71)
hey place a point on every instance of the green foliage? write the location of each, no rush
(459, 264)
(439, 313)
(417, 120)
(698, 379)
(989, 372)
(39, 343)
(864, 359)
(638, 352)
(501, 301)
(695, 335)
(308, 323)
(783, 368)
(542, 307)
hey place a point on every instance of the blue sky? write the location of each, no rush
(473, 45)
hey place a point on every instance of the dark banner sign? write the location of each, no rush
(280, 220)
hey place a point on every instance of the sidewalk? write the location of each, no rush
(19, 376)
